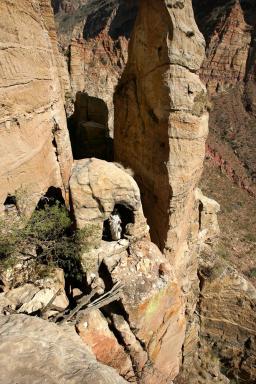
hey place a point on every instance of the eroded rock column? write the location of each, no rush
(161, 122)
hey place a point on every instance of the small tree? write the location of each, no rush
(50, 235)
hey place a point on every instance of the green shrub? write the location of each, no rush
(49, 232)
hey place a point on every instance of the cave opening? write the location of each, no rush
(115, 227)
(51, 197)
(10, 201)
(88, 128)
(10, 204)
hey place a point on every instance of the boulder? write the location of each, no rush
(95, 332)
(97, 187)
(32, 297)
(41, 352)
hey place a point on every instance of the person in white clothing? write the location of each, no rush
(115, 224)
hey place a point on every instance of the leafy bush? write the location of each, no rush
(49, 233)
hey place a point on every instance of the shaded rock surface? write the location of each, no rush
(160, 133)
(47, 353)
(32, 295)
(161, 122)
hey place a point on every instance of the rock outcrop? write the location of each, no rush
(148, 323)
(32, 295)
(47, 353)
(35, 146)
(161, 122)
(97, 187)
(228, 46)
(171, 312)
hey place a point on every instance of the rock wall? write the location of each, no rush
(35, 147)
(161, 125)
(145, 328)
(228, 47)
(61, 63)
(95, 38)
(161, 122)
(229, 74)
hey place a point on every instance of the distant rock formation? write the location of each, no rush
(96, 42)
(229, 74)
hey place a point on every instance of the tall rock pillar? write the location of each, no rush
(161, 121)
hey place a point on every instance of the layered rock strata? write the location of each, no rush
(35, 146)
(161, 122)
(228, 47)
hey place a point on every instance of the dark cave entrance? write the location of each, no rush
(126, 215)
(10, 201)
(10, 205)
(51, 197)
(88, 128)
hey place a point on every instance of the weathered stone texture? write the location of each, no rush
(161, 122)
(149, 318)
(227, 51)
(98, 50)
(95, 332)
(96, 187)
(34, 146)
(229, 74)
(227, 314)
(41, 352)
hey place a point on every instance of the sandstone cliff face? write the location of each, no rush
(161, 122)
(65, 6)
(97, 35)
(161, 127)
(228, 47)
(35, 146)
